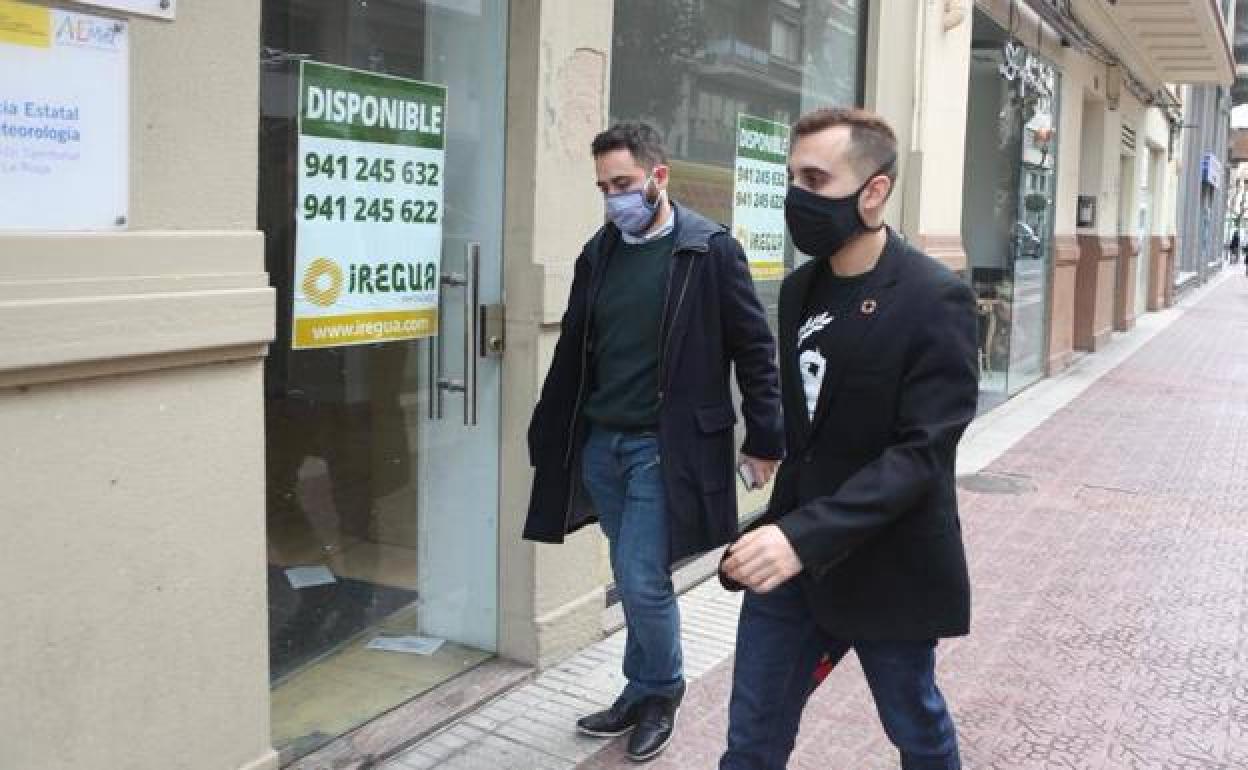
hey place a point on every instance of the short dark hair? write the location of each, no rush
(642, 140)
(872, 142)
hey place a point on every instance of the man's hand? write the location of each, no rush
(762, 560)
(762, 470)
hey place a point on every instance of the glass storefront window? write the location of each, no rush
(382, 514)
(692, 67)
(1010, 175)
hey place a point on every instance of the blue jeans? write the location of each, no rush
(782, 656)
(624, 481)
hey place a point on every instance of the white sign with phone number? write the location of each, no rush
(368, 218)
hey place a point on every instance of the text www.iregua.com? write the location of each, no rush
(366, 329)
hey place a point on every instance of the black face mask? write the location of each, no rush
(821, 226)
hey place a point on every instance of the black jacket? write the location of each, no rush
(867, 494)
(713, 319)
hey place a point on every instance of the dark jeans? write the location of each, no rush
(778, 665)
(623, 477)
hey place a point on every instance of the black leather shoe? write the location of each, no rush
(617, 720)
(655, 727)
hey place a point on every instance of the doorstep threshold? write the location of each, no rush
(390, 734)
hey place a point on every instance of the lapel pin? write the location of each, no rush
(868, 306)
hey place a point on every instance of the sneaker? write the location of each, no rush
(655, 727)
(617, 720)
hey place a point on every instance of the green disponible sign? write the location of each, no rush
(341, 103)
(759, 185)
(368, 212)
(762, 140)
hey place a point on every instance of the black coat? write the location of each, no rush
(867, 494)
(713, 319)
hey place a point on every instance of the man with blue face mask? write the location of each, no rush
(634, 427)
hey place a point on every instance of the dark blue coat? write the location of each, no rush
(713, 319)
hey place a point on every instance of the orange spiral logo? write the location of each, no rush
(322, 282)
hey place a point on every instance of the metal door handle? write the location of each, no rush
(472, 330)
(439, 383)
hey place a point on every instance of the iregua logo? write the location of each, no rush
(322, 282)
(325, 281)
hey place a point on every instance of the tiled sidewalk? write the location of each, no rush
(1109, 549)
(532, 728)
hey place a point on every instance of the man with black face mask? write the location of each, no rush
(860, 547)
(634, 427)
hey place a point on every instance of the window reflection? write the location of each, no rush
(1008, 212)
(376, 522)
(690, 67)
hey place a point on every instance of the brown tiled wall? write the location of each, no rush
(1124, 293)
(1160, 278)
(1094, 291)
(1062, 304)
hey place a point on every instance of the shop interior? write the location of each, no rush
(1009, 188)
(382, 505)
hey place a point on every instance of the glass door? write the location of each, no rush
(990, 205)
(1144, 264)
(1035, 90)
(382, 439)
(1008, 207)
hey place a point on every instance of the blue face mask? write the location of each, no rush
(630, 211)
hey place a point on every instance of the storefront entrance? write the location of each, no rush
(380, 196)
(1008, 218)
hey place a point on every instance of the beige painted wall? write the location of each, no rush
(918, 59)
(551, 596)
(889, 77)
(1156, 135)
(1080, 87)
(939, 136)
(131, 403)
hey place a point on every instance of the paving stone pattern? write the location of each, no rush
(1109, 550)
(1111, 618)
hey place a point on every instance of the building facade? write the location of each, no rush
(244, 527)
(1204, 183)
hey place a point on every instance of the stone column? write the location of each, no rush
(550, 596)
(931, 119)
(131, 405)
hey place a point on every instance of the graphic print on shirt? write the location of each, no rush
(813, 325)
(811, 362)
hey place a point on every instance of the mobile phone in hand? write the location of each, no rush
(746, 474)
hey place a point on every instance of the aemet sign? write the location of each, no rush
(64, 119)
